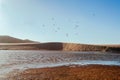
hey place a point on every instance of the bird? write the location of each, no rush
(43, 25)
(55, 30)
(93, 14)
(66, 34)
(53, 18)
(76, 26)
(58, 28)
(53, 24)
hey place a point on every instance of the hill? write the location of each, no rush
(9, 39)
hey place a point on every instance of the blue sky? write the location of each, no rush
(77, 21)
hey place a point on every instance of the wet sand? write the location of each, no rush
(72, 72)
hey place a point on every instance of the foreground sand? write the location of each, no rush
(73, 72)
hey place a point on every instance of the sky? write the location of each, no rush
(75, 21)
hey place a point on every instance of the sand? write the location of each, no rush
(11, 43)
(58, 47)
(72, 72)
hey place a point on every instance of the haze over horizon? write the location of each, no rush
(77, 21)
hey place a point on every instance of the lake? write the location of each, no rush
(11, 60)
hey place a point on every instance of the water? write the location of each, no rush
(11, 60)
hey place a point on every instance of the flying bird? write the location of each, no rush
(76, 26)
(53, 18)
(66, 34)
(43, 25)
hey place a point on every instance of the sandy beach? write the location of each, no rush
(72, 72)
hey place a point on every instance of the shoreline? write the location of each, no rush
(70, 72)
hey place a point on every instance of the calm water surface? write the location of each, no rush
(11, 60)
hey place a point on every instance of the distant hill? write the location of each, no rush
(9, 39)
(11, 43)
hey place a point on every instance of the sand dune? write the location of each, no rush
(9, 39)
(10, 43)
(60, 47)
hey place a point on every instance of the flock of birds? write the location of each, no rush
(58, 28)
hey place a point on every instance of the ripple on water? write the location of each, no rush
(20, 60)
